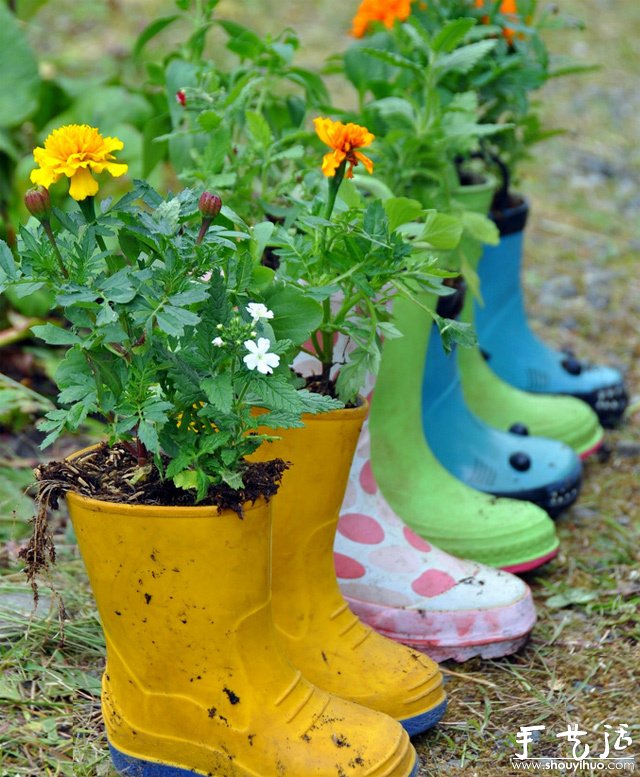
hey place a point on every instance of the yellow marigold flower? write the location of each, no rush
(385, 11)
(76, 151)
(345, 140)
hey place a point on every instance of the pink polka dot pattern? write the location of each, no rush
(416, 542)
(396, 560)
(361, 528)
(367, 480)
(348, 568)
(433, 583)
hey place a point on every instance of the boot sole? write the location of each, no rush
(527, 566)
(408, 627)
(592, 450)
(426, 720)
(128, 766)
(553, 498)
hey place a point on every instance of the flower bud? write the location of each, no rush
(38, 203)
(209, 205)
(181, 97)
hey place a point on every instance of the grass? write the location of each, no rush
(581, 665)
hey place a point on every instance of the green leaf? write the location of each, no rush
(20, 82)
(232, 479)
(462, 60)
(242, 41)
(454, 332)
(401, 210)
(318, 403)
(148, 436)
(259, 129)
(296, 315)
(481, 228)
(275, 393)
(391, 58)
(260, 236)
(570, 597)
(83, 391)
(219, 391)
(395, 111)
(442, 230)
(151, 31)
(353, 374)
(119, 287)
(173, 320)
(55, 335)
(187, 480)
(196, 293)
(453, 32)
(8, 269)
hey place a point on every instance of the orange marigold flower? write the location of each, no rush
(345, 140)
(508, 8)
(385, 11)
(76, 150)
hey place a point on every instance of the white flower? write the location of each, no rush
(258, 311)
(218, 342)
(259, 357)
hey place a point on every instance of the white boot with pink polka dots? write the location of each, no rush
(411, 591)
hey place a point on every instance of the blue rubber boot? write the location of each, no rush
(511, 464)
(514, 352)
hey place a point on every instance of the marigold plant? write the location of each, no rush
(169, 324)
(349, 252)
(345, 140)
(76, 151)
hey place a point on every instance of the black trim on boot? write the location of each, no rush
(553, 498)
(609, 403)
(514, 218)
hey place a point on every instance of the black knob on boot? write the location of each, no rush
(572, 365)
(520, 461)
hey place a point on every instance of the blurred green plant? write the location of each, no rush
(516, 65)
(237, 125)
(424, 131)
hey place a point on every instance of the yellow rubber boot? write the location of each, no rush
(321, 635)
(196, 681)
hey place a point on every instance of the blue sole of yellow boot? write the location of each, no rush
(421, 723)
(138, 767)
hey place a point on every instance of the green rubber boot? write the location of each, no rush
(505, 533)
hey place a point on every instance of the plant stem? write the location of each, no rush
(141, 452)
(327, 340)
(46, 225)
(334, 186)
(89, 212)
(326, 353)
(206, 223)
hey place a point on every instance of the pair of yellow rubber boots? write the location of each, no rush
(217, 667)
